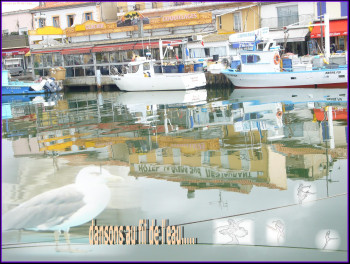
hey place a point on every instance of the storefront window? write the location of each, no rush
(79, 71)
(68, 60)
(341, 44)
(89, 71)
(102, 57)
(78, 59)
(57, 59)
(38, 61)
(47, 60)
(87, 58)
(114, 57)
(104, 70)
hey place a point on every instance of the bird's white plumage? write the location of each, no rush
(64, 207)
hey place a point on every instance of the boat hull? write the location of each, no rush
(325, 78)
(160, 82)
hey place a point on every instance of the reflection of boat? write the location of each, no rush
(192, 97)
(19, 87)
(297, 95)
(34, 98)
(142, 77)
(260, 69)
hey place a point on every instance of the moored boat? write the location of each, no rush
(18, 87)
(141, 76)
(261, 69)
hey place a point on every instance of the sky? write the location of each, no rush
(15, 6)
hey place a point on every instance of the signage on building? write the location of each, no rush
(258, 34)
(175, 19)
(180, 15)
(90, 25)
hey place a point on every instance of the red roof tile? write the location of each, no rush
(57, 4)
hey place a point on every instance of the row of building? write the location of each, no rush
(84, 37)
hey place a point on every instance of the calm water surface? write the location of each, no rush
(254, 175)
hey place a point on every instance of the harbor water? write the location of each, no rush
(244, 175)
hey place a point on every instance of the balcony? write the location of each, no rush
(280, 22)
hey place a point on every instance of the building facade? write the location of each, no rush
(97, 40)
(15, 26)
(276, 16)
(338, 16)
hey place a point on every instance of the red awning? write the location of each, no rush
(10, 52)
(76, 51)
(336, 28)
(133, 46)
(44, 51)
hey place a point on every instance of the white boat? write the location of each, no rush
(142, 77)
(261, 69)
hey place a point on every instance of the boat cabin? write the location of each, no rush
(141, 67)
(260, 61)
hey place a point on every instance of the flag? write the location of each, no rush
(187, 52)
(202, 43)
(177, 57)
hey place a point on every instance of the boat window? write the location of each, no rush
(250, 58)
(146, 66)
(133, 68)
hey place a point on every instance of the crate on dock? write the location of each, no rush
(189, 68)
(58, 73)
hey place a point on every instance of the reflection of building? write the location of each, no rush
(233, 170)
(221, 144)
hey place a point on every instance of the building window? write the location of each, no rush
(344, 9)
(137, 7)
(237, 22)
(88, 16)
(70, 20)
(42, 22)
(287, 15)
(154, 4)
(220, 24)
(321, 6)
(56, 21)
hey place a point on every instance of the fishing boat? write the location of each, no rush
(141, 76)
(144, 74)
(19, 87)
(264, 69)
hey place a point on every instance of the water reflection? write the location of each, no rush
(187, 148)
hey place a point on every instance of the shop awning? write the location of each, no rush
(336, 28)
(134, 46)
(19, 51)
(76, 51)
(44, 51)
(293, 35)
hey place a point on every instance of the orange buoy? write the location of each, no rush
(276, 58)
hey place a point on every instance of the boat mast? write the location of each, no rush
(161, 52)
